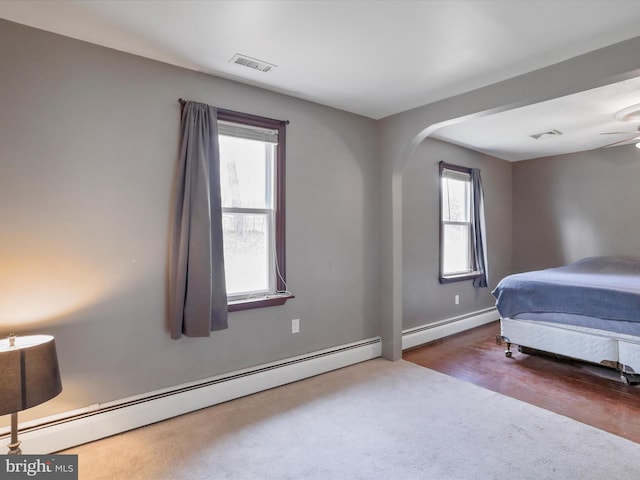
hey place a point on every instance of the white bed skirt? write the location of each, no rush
(588, 344)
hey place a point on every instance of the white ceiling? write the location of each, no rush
(585, 120)
(375, 58)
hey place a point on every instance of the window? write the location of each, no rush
(457, 259)
(252, 188)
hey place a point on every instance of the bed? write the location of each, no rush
(588, 310)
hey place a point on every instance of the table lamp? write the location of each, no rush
(29, 376)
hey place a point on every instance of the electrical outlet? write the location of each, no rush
(295, 325)
(456, 299)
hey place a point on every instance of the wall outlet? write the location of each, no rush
(456, 299)
(295, 325)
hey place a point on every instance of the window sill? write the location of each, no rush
(261, 302)
(460, 278)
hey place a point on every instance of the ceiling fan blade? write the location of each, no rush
(622, 142)
(622, 133)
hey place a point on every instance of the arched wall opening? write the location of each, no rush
(401, 138)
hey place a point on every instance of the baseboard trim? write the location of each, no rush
(414, 337)
(53, 434)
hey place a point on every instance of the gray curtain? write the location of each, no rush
(197, 290)
(480, 230)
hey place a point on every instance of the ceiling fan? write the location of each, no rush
(628, 114)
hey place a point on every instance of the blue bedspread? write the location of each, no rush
(604, 287)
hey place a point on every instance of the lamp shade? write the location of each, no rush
(29, 372)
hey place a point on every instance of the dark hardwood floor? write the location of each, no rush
(591, 394)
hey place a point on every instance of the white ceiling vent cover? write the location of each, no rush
(254, 63)
(549, 133)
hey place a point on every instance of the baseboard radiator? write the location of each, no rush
(414, 337)
(52, 434)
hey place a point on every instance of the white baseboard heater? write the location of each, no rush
(413, 337)
(59, 432)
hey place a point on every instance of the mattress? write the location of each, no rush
(602, 287)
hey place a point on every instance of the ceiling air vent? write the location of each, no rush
(254, 63)
(549, 133)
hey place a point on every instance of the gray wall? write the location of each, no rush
(88, 142)
(574, 206)
(425, 300)
(88, 146)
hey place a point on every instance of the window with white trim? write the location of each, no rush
(252, 191)
(457, 259)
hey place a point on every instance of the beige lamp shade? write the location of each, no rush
(29, 372)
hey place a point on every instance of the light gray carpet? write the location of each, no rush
(375, 420)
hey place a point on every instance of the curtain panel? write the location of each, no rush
(197, 290)
(480, 230)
